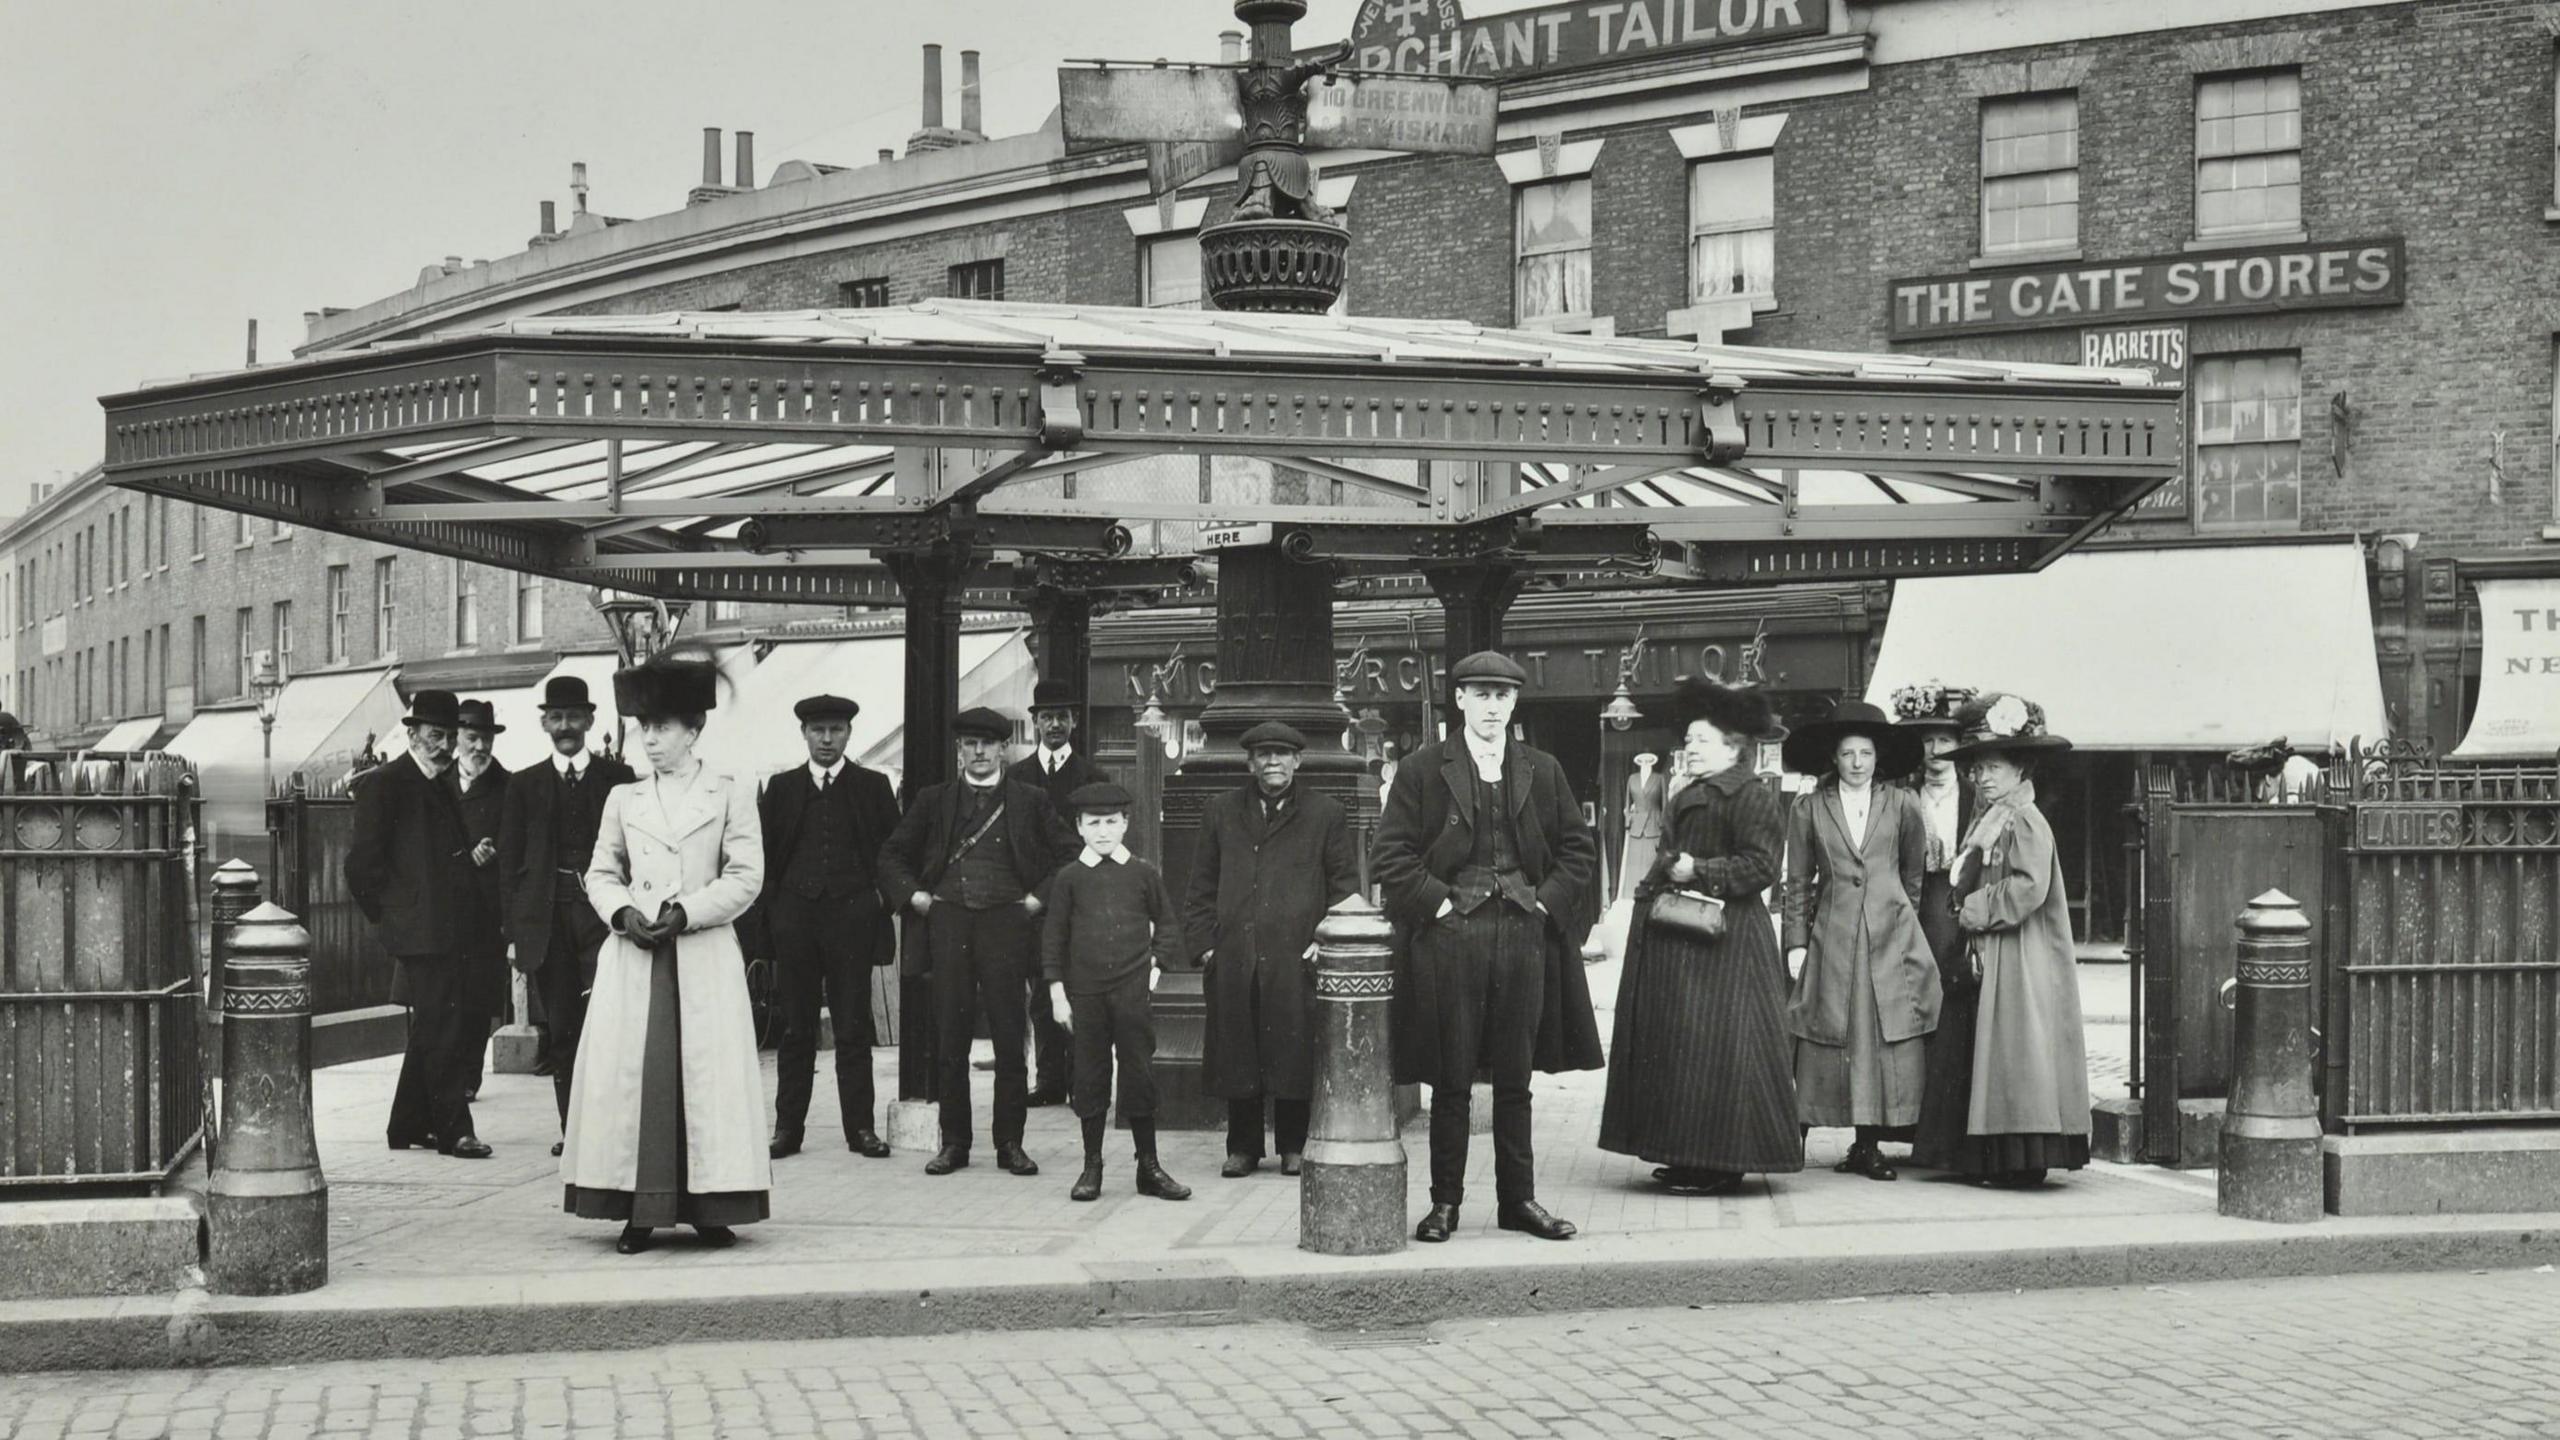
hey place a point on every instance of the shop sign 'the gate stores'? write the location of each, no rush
(2176, 287)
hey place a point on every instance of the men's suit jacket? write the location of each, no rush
(1078, 772)
(408, 865)
(528, 854)
(483, 810)
(783, 808)
(920, 850)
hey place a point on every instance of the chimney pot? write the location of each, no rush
(550, 219)
(969, 92)
(746, 174)
(887, 154)
(578, 184)
(452, 263)
(933, 87)
(710, 154)
(1230, 47)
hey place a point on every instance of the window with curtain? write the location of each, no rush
(2248, 428)
(1169, 271)
(1733, 234)
(977, 280)
(2249, 154)
(1553, 249)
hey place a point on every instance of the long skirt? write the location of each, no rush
(1946, 1092)
(1698, 1067)
(661, 1197)
(1871, 1081)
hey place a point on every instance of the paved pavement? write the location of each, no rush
(2415, 1356)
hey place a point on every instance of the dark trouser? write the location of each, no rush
(823, 945)
(1055, 1056)
(1288, 1126)
(1114, 1021)
(568, 972)
(979, 959)
(444, 1028)
(1489, 967)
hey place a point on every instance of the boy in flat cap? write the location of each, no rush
(1270, 860)
(1487, 865)
(1060, 770)
(968, 863)
(1109, 930)
(824, 921)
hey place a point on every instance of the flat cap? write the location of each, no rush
(826, 707)
(1489, 666)
(983, 723)
(1272, 732)
(1101, 795)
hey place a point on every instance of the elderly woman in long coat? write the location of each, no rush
(666, 1111)
(2030, 1107)
(1699, 1078)
(1866, 988)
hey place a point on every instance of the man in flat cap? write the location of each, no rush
(1060, 770)
(409, 870)
(823, 920)
(1271, 859)
(1487, 864)
(546, 835)
(967, 864)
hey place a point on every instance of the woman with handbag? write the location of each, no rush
(2029, 1109)
(1866, 988)
(1698, 1068)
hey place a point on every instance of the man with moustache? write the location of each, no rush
(968, 862)
(409, 869)
(1271, 860)
(822, 920)
(546, 836)
(479, 785)
(1486, 864)
(1060, 770)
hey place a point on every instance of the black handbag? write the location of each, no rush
(1689, 913)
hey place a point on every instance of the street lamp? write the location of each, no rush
(642, 625)
(1618, 714)
(266, 684)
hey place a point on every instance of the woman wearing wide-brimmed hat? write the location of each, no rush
(1946, 813)
(2029, 1111)
(1866, 986)
(1699, 1077)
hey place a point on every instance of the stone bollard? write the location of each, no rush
(2270, 1153)
(1351, 1193)
(268, 1220)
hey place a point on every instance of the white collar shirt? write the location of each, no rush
(1118, 855)
(826, 775)
(569, 767)
(1488, 757)
(1854, 806)
(1054, 761)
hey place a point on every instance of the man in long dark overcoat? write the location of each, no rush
(967, 864)
(1486, 864)
(823, 922)
(409, 869)
(479, 784)
(1059, 769)
(1271, 859)
(546, 836)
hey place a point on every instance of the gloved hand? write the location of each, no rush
(672, 920)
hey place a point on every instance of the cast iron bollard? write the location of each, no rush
(2271, 1133)
(269, 1220)
(1351, 1194)
(235, 893)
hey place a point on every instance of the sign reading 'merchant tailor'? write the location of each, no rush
(2175, 287)
(1431, 37)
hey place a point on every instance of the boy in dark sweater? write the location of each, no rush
(1110, 926)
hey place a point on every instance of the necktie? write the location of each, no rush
(826, 779)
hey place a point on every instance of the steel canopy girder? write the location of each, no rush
(916, 529)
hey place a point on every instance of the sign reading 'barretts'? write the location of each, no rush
(1431, 37)
(2177, 287)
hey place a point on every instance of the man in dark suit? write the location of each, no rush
(968, 863)
(479, 785)
(1059, 770)
(1486, 863)
(1271, 860)
(409, 868)
(546, 835)
(822, 920)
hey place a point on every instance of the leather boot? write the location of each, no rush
(784, 1143)
(1088, 1185)
(1437, 1223)
(1153, 1181)
(1531, 1218)
(1017, 1160)
(946, 1160)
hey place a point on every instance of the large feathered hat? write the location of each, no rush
(1733, 709)
(1995, 721)
(1810, 750)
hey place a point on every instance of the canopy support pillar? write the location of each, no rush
(1062, 641)
(933, 583)
(1474, 598)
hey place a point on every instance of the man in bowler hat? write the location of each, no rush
(1486, 864)
(546, 835)
(409, 868)
(823, 920)
(968, 863)
(479, 784)
(1060, 770)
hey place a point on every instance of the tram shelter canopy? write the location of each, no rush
(783, 456)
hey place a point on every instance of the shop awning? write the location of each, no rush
(996, 670)
(321, 720)
(134, 734)
(2517, 716)
(2197, 648)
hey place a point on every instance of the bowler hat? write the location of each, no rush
(983, 724)
(664, 686)
(1272, 732)
(1100, 795)
(826, 707)
(1994, 721)
(479, 715)
(566, 692)
(1053, 695)
(434, 707)
(1489, 667)
(1734, 709)
(1809, 750)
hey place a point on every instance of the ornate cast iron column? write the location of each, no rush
(1473, 600)
(2270, 1149)
(932, 583)
(1062, 641)
(1351, 1195)
(267, 1219)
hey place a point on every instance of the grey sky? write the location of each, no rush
(174, 169)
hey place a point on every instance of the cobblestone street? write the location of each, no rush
(2438, 1355)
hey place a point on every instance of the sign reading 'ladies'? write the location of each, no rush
(2227, 282)
(1431, 37)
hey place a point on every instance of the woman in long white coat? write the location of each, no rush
(666, 1113)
